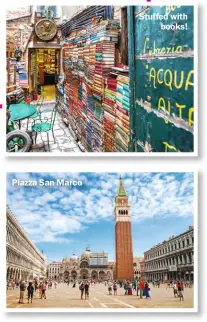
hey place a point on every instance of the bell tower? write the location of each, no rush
(124, 252)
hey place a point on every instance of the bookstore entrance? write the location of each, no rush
(44, 71)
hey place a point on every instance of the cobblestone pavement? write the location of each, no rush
(68, 297)
(64, 141)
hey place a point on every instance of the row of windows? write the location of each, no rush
(123, 212)
(15, 239)
(170, 248)
(54, 270)
(175, 260)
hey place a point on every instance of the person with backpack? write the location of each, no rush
(86, 287)
(81, 288)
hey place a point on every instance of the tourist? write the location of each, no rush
(81, 288)
(182, 285)
(30, 290)
(141, 286)
(74, 284)
(36, 285)
(115, 288)
(55, 284)
(168, 284)
(22, 290)
(126, 288)
(134, 285)
(138, 287)
(86, 287)
(175, 290)
(43, 291)
(110, 287)
(147, 289)
(129, 288)
(13, 285)
(180, 291)
(40, 289)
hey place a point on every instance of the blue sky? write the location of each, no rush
(63, 220)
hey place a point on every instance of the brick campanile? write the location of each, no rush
(124, 252)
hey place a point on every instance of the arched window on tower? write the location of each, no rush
(126, 212)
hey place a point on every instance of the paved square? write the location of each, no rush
(67, 297)
(64, 141)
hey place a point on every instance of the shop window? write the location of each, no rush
(43, 9)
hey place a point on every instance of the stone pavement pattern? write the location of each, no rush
(64, 141)
(68, 297)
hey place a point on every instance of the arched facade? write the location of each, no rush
(83, 267)
(24, 261)
(172, 259)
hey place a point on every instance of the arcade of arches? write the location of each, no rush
(24, 261)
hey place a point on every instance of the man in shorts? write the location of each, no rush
(22, 290)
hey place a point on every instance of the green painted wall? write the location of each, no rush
(164, 81)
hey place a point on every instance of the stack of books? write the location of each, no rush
(109, 114)
(122, 113)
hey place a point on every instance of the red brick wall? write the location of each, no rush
(124, 253)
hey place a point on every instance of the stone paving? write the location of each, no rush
(67, 297)
(64, 141)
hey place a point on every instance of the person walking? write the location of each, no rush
(43, 291)
(126, 288)
(141, 286)
(55, 284)
(180, 291)
(81, 288)
(86, 287)
(40, 289)
(138, 287)
(13, 284)
(110, 287)
(168, 284)
(35, 285)
(115, 288)
(30, 290)
(146, 287)
(22, 290)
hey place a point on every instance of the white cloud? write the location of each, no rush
(54, 215)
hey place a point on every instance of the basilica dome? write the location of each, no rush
(74, 257)
(86, 254)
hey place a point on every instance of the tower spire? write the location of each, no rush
(121, 190)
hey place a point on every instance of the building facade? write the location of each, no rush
(23, 259)
(172, 259)
(137, 262)
(89, 266)
(53, 270)
(123, 235)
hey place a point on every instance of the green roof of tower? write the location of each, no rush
(121, 190)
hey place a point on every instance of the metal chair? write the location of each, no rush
(38, 112)
(46, 124)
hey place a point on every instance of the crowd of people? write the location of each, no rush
(139, 287)
(28, 289)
